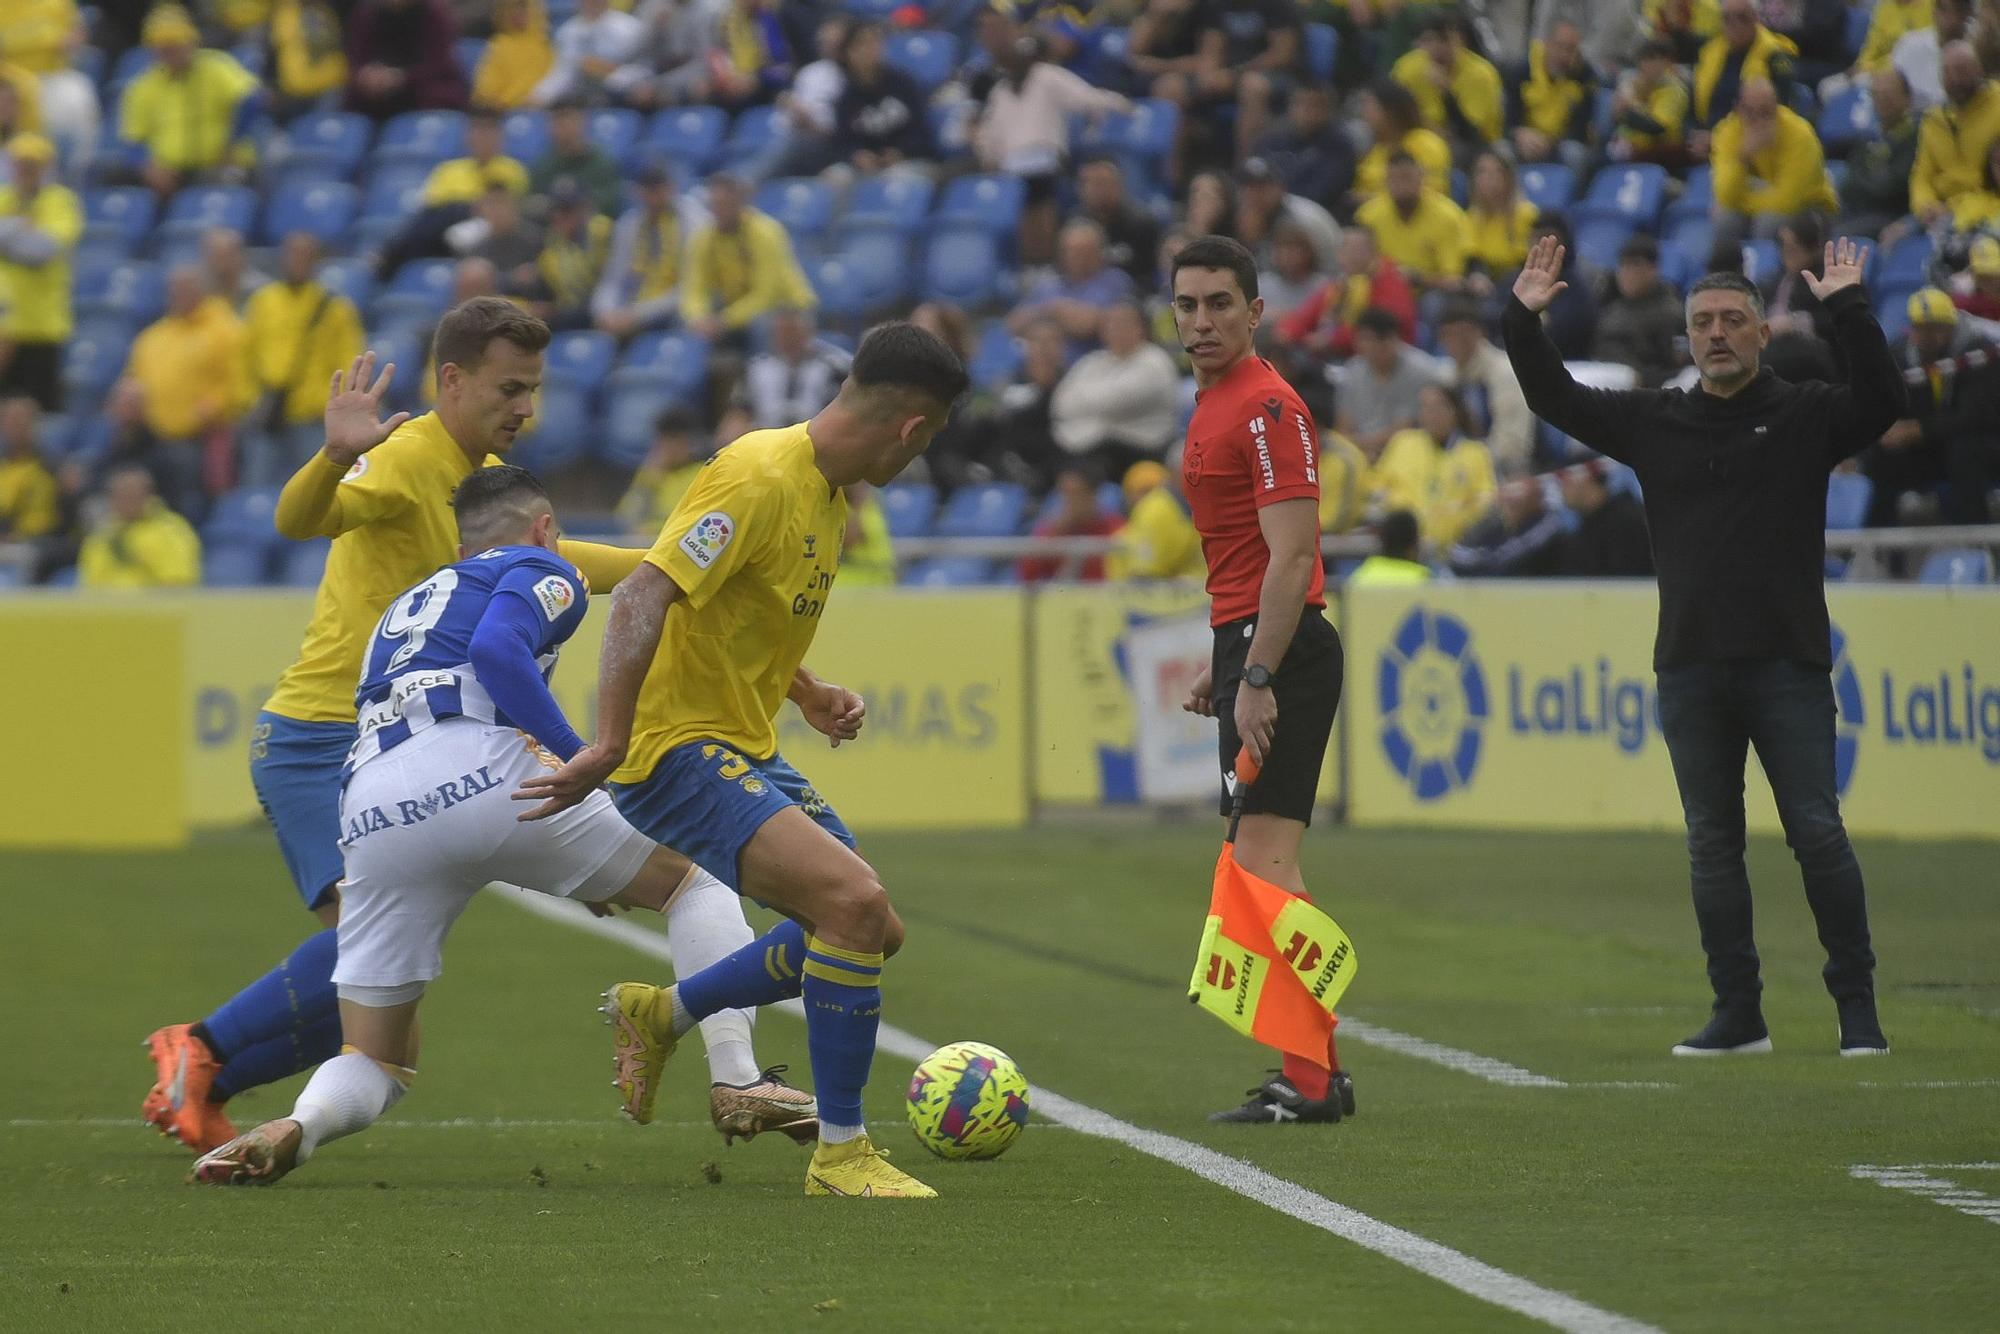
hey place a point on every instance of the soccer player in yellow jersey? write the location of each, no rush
(706, 641)
(382, 489)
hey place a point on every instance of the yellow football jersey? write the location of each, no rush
(754, 546)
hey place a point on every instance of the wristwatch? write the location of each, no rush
(1258, 677)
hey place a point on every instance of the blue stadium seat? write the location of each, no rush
(1858, 19)
(962, 265)
(1105, 51)
(338, 138)
(874, 11)
(1322, 50)
(430, 278)
(582, 357)
(324, 209)
(1760, 261)
(305, 562)
(395, 191)
(1957, 565)
(1848, 119)
(89, 62)
(681, 358)
(878, 264)
(909, 507)
(950, 572)
(1694, 235)
(1461, 187)
(232, 565)
(1906, 267)
(803, 204)
(889, 199)
(616, 131)
(633, 401)
(134, 292)
(524, 135)
(469, 51)
(1892, 312)
(1677, 267)
(1636, 190)
(565, 425)
(403, 346)
(244, 517)
(926, 55)
(1548, 185)
(126, 212)
(1836, 170)
(750, 133)
(94, 358)
(1600, 232)
(690, 135)
(997, 358)
(1697, 194)
(989, 509)
(992, 202)
(1146, 134)
(132, 62)
(200, 209)
(351, 278)
(837, 284)
(423, 137)
(1847, 496)
(951, 127)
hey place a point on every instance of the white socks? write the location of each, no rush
(345, 1095)
(705, 925)
(839, 1134)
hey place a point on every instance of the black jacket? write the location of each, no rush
(1735, 487)
(1609, 543)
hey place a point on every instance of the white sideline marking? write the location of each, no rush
(1453, 1268)
(1933, 1084)
(1488, 1068)
(1915, 1178)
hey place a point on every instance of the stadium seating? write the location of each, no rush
(336, 139)
(1904, 267)
(524, 135)
(233, 565)
(1548, 185)
(424, 138)
(909, 507)
(681, 358)
(635, 399)
(565, 423)
(417, 294)
(928, 57)
(951, 127)
(877, 260)
(889, 199)
(691, 136)
(804, 204)
(583, 357)
(122, 213)
(1957, 565)
(1322, 50)
(200, 209)
(406, 347)
(1847, 497)
(997, 358)
(351, 278)
(305, 562)
(1760, 260)
(1600, 232)
(950, 572)
(244, 518)
(989, 509)
(1847, 119)
(325, 209)
(992, 202)
(94, 358)
(615, 130)
(134, 291)
(1635, 190)
(749, 134)
(962, 265)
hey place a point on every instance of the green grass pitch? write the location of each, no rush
(1724, 1201)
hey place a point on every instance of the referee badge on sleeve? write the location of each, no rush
(708, 538)
(358, 471)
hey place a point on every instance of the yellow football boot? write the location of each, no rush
(860, 1170)
(641, 1016)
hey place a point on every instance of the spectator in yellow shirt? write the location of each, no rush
(450, 192)
(1457, 90)
(1892, 18)
(1554, 99)
(1768, 165)
(1418, 228)
(669, 470)
(185, 115)
(1499, 221)
(740, 266)
(1684, 25)
(1649, 111)
(867, 548)
(140, 543)
(1744, 51)
(1955, 138)
(1159, 540)
(37, 38)
(1345, 483)
(28, 496)
(519, 56)
(191, 363)
(39, 224)
(295, 333)
(307, 51)
(1435, 471)
(1395, 126)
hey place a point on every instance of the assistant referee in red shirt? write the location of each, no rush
(1251, 474)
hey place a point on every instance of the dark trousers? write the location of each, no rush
(1711, 713)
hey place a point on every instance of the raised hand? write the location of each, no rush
(354, 422)
(1538, 284)
(1845, 259)
(834, 711)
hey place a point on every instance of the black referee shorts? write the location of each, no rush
(1307, 684)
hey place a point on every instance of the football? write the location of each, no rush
(968, 1100)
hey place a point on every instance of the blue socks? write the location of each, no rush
(761, 973)
(843, 994)
(286, 1021)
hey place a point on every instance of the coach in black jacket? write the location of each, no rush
(1734, 474)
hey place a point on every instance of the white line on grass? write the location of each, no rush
(1914, 1178)
(1453, 1268)
(1488, 1068)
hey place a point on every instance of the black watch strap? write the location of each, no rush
(1258, 677)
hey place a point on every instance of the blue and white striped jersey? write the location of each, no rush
(418, 667)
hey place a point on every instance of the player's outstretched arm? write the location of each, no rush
(604, 566)
(309, 506)
(833, 710)
(638, 615)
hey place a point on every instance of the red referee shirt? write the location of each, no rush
(1251, 443)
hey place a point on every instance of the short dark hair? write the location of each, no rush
(675, 420)
(1726, 281)
(1380, 322)
(467, 330)
(1398, 534)
(1219, 252)
(899, 355)
(1400, 158)
(1398, 103)
(1460, 311)
(496, 502)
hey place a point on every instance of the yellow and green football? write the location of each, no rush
(968, 1100)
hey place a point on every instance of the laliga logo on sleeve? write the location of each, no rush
(707, 539)
(555, 595)
(1432, 695)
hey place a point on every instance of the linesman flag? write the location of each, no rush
(1271, 965)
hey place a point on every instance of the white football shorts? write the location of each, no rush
(424, 826)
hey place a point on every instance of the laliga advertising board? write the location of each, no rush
(1532, 705)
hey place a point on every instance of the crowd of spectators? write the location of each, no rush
(175, 292)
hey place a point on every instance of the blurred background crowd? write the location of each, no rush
(205, 209)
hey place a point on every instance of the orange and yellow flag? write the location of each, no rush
(1271, 965)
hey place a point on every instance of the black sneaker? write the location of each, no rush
(1341, 1089)
(1732, 1031)
(1276, 1101)
(1860, 1031)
